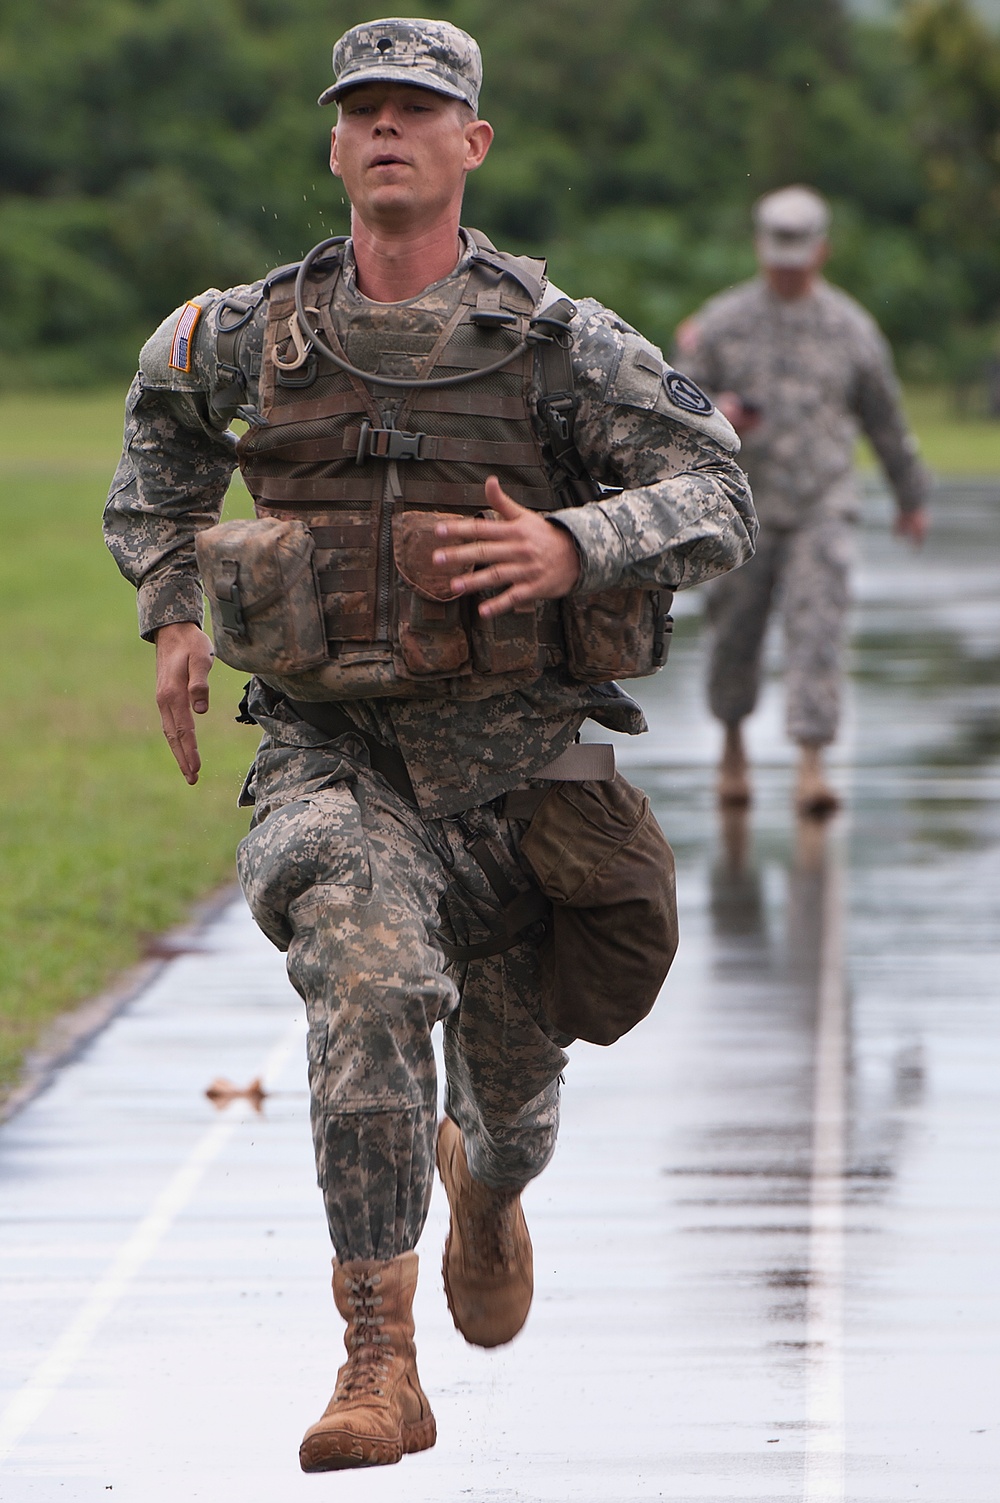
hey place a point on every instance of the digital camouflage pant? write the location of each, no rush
(806, 570)
(349, 878)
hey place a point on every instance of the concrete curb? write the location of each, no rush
(69, 1034)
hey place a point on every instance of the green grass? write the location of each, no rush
(103, 843)
(950, 442)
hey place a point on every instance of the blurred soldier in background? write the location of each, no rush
(427, 418)
(796, 365)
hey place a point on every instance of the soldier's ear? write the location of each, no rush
(478, 136)
(334, 163)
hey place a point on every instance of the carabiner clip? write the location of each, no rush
(302, 342)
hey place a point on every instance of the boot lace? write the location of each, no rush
(368, 1364)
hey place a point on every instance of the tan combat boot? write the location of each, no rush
(488, 1273)
(378, 1412)
(733, 783)
(814, 798)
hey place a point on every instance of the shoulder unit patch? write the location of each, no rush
(684, 394)
(180, 346)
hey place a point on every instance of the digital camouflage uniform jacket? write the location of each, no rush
(816, 368)
(684, 516)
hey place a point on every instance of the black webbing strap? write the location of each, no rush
(520, 909)
(528, 908)
(481, 853)
(527, 271)
(522, 803)
(558, 402)
(388, 761)
(231, 319)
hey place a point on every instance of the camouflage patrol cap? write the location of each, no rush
(427, 54)
(790, 226)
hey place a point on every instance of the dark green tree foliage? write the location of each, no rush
(149, 148)
(957, 122)
(143, 144)
(634, 145)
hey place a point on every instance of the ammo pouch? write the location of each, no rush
(615, 634)
(270, 616)
(599, 855)
(438, 633)
(263, 596)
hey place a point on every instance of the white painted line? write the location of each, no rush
(52, 1372)
(825, 1441)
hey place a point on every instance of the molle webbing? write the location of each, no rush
(346, 458)
(355, 476)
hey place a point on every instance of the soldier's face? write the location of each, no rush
(791, 282)
(403, 153)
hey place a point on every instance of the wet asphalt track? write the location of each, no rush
(768, 1251)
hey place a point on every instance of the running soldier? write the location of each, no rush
(425, 417)
(796, 365)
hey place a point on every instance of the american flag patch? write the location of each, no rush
(180, 348)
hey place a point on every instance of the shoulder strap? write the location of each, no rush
(527, 271)
(333, 257)
(557, 400)
(280, 274)
(231, 319)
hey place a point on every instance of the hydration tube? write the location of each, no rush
(313, 337)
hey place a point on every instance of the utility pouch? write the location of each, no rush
(432, 637)
(263, 596)
(507, 643)
(598, 854)
(616, 634)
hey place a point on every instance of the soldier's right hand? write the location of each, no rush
(744, 416)
(184, 658)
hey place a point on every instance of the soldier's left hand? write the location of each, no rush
(912, 525)
(535, 559)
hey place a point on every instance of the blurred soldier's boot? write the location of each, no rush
(814, 798)
(378, 1412)
(488, 1269)
(733, 786)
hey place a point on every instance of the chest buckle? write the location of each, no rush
(388, 443)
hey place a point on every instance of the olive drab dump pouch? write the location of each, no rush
(602, 860)
(367, 462)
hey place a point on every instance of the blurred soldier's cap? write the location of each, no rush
(427, 54)
(790, 226)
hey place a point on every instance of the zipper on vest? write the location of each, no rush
(386, 567)
(386, 561)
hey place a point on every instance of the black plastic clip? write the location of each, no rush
(663, 627)
(387, 443)
(243, 313)
(243, 716)
(304, 376)
(492, 318)
(552, 326)
(557, 412)
(233, 392)
(252, 416)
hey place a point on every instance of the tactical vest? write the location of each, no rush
(365, 473)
